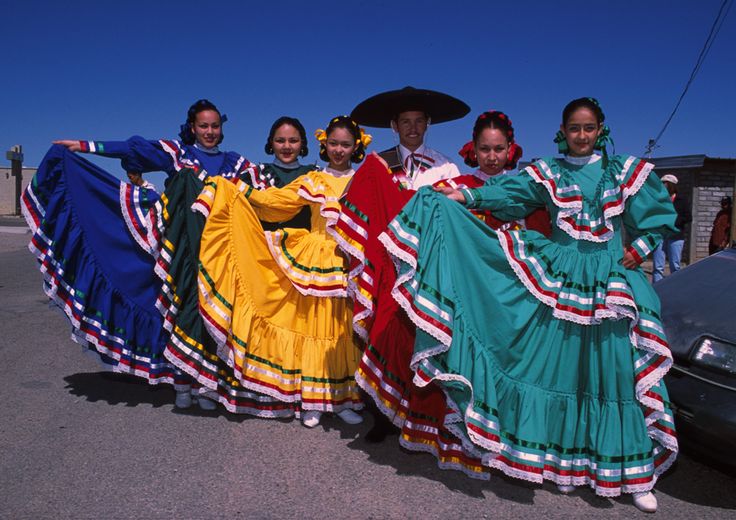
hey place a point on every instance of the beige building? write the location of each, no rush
(7, 188)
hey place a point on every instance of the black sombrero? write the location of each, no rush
(379, 110)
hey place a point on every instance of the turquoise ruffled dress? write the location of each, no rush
(550, 352)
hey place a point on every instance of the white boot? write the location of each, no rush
(183, 399)
(645, 501)
(206, 403)
(349, 416)
(565, 489)
(311, 418)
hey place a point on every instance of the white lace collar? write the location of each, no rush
(484, 176)
(580, 161)
(338, 173)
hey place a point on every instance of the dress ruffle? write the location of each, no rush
(135, 205)
(372, 200)
(591, 220)
(190, 347)
(93, 269)
(297, 349)
(310, 260)
(302, 259)
(492, 369)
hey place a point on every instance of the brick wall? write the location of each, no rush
(703, 182)
(712, 185)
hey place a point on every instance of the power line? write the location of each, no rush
(714, 30)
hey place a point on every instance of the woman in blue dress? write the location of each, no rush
(97, 239)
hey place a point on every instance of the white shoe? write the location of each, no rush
(311, 418)
(205, 403)
(183, 399)
(645, 501)
(350, 416)
(565, 489)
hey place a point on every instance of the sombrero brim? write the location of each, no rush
(379, 110)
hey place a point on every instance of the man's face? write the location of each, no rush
(411, 127)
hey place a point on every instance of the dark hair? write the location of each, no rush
(584, 102)
(493, 119)
(186, 134)
(498, 121)
(726, 200)
(351, 126)
(291, 121)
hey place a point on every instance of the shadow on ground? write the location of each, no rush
(127, 390)
(117, 389)
(121, 389)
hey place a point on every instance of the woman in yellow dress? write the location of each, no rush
(276, 301)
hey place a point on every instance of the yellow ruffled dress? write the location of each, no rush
(276, 301)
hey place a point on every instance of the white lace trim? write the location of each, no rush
(353, 288)
(272, 239)
(405, 304)
(51, 287)
(211, 388)
(574, 208)
(27, 211)
(422, 358)
(141, 240)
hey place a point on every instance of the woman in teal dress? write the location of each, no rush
(551, 351)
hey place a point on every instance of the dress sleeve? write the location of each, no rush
(508, 197)
(277, 204)
(136, 154)
(649, 217)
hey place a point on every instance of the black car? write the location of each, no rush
(699, 316)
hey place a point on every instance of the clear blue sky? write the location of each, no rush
(109, 70)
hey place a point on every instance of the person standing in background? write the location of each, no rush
(672, 247)
(721, 231)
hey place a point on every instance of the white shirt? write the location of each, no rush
(430, 166)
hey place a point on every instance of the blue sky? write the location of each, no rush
(108, 70)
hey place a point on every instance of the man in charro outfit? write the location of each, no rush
(409, 112)
(388, 334)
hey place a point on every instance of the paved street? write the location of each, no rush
(78, 443)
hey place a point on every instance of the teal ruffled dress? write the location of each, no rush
(550, 352)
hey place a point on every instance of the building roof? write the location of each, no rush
(691, 161)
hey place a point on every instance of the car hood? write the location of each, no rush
(698, 300)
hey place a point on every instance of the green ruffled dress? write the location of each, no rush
(550, 352)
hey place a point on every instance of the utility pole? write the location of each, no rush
(15, 156)
(650, 148)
